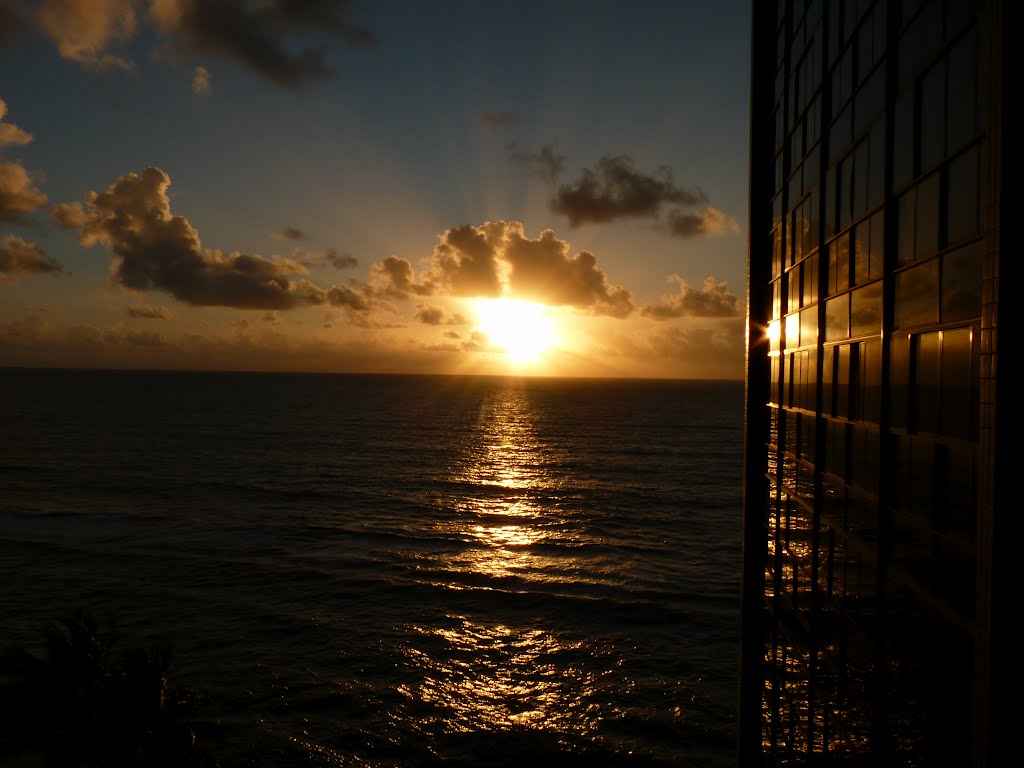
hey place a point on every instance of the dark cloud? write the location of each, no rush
(157, 250)
(434, 315)
(259, 34)
(328, 258)
(147, 312)
(341, 260)
(288, 233)
(11, 20)
(9, 132)
(19, 258)
(546, 165)
(710, 221)
(18, 194)
(497, 259)
(349, 298)
(452, 335)
(494, 120)
(615, 189)
(713, 300)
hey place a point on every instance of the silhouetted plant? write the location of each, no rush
(75, 703)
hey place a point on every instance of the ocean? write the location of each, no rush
(364, 570)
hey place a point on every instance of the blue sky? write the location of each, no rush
(319, 145)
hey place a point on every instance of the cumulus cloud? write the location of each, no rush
(9, 132)
(713, 300)
(147, 312)
(710, 221)
(201, 80)
(259, 34)
(435, 315)
(546, 165)
(19, 258)
(396, 277)
(494, 120)
(288, 233)
(84, 30)
(18, 194)
(497, 259)
(616, 189)
(157, 250)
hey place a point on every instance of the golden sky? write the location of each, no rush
(552, 189)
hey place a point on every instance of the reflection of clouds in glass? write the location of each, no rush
(494, 676)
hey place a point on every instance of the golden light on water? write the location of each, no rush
(495, 673)
(522, 329)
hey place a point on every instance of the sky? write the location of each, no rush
(404, 186)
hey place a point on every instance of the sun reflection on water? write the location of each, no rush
(488, 670)
(494, 676)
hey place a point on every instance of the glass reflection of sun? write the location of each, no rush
(521, 328)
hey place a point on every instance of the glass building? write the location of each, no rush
(877, 506)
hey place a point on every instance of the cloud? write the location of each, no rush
(712, 300)
(18, 195)
(615, 189)
(340, 260)
(9, 132)
(258, 35)
(497, 259)
(201, 80)
(288, 233)
(327, 258)
(19, 258)
(494, 120)
(11, 20)
(147, 312)
(83, 30)
(434, 315)
(545, 165)
(395, 277)
(156, 250)
(709, 222)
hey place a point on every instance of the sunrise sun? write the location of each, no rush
(521, 328)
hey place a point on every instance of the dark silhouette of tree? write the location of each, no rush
(76, 703)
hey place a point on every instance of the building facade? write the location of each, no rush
(877, 497)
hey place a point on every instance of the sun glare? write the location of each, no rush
(521, 328)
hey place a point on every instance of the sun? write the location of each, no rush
(521, 328)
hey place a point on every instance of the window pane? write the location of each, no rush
(866, 310)
(899, 379)
(961, 284)
(860, 253)
(957, 403)
(926, 229)
(963, 210)
(877, 242)
(903, 141)
(870, 363)
(837, 318)
(917, 295)
(933, 116)
(926, 383)
(907, 211)
(963, 92)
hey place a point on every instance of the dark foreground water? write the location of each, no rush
(388, 570)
